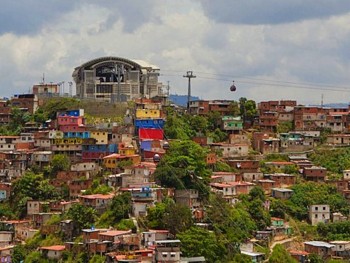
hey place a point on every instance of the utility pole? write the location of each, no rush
(189, 75)
(168, 89)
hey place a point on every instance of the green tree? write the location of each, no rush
(119, 209)
(200, 242)
(232, 225)
(19, 253)
(97, 259)
(234, 109)
(285, 127)
(60, 162)
(83, 217)
(31, 186)
(35, 257)
(184, 167)
(155, 216)
(281, 255)
(177, 218)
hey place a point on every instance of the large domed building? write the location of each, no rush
(116, 79)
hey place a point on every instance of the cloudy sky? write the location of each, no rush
(272, 49)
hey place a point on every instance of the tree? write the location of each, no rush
(284, 127)
(177, 218)
(281, 255)
(234, 109)
(31, 186)
(97, 259)
(59, 162)
(119, 209)
(184, 167)
(83, 216)
(232, 225)
(200, 242)
(19, 253)
(155, 216)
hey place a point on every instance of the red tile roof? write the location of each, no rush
(54, 248)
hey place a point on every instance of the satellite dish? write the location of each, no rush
(233, 87)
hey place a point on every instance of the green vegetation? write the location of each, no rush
(281, 255)
(184, 167)
(334, 231)
(335, 160)
(200, 242)
(84, 217)
(310, 193)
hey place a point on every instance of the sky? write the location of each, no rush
(271, 49)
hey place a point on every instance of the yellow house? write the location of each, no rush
(127, 151)
(100, 136)
(147, 114)
(111, 161)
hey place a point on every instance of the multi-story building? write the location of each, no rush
(116, 79)
(203, 107)
(319, 213)
(309, 117)
(25, 102)
(315, 173)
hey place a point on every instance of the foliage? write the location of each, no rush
(155, 216)
(184, 167)
(335, 160)
(285, 126)
(51, 240)
(310, 193)
(83, 217)
(218, 135)
(222, 167)
(234, 109)
(313, 258)
(54, 105)
(334, 231)
(6, 210)
(200, 242)
(31, 186)
(169, 215)
(98, 188)
(177, 218)
(35, 257)
(241, 258)
(59, 162)
(247, 108)
(281, 255)
(119, 209)
(177, 128)
(232, 225)
(126, 224)
(19, 253)
(97, 259)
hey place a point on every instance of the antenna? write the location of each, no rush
(168, 89)
(189, 75)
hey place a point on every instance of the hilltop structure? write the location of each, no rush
(116, 79)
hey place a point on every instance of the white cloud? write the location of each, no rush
(179, 36)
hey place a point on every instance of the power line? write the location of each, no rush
(276, 84)
(260, 81)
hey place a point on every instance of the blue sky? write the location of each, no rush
(291, 49)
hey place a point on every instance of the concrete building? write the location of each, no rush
(116, 79)
(319, 213)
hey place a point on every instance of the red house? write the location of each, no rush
(149, 133)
